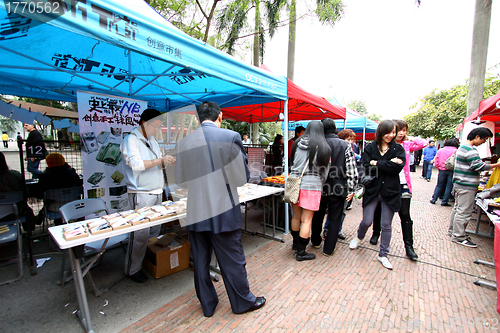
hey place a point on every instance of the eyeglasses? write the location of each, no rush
(155, 127)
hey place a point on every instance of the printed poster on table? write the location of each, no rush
(104, 121)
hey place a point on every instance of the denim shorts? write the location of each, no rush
(405, 192)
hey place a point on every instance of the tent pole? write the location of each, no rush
(286, 161)
(130, 72)
(364, 132)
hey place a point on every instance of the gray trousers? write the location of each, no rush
(461, 213)
(138, 240)
(385, 224)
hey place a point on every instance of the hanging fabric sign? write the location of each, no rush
(104, 122)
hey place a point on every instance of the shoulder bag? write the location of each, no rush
(292, 187)
(450, 162)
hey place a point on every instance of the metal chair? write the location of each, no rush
(77, 210)
(58, 197)
(256, 164)
(13, 234)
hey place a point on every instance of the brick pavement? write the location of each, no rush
(351, 291)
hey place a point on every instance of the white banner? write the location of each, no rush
(104, 122)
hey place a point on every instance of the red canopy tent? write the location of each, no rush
(489, 109)
(302, 105)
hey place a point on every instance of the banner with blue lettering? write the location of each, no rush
(104, 121)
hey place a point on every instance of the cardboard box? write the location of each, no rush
(162, 261)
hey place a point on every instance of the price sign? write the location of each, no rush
(35, 150)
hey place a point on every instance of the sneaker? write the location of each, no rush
(385, 262)
(428, 180)
(433, 202)
(445, 205)
(466, 242)
(354, 243)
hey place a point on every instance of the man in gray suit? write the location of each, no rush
(211, 164)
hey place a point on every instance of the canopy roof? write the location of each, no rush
(302, 105)
(354, 121)
(122, 48)
(489, 109)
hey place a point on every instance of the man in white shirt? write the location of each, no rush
(145, 184)
(246, 140)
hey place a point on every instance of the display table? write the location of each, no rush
(246, 193)
(249, 192)
(483, 205)
(497, 260)
(57, 234)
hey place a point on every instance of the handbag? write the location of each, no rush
(364, 179)
(292, 187)
(450, 162)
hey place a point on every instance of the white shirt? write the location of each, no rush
(135, 152)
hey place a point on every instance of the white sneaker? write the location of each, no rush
(354, 243)
(385, 262)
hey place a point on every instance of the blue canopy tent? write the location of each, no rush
(121, 48)
(363, 127)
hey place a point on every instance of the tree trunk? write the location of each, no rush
(256, 62)
(291, 39)
(480, 36)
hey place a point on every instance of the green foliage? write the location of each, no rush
(8, 125)
(442, 111)
(374, 117)
(267, 131)
(329, 11)
(358, 105)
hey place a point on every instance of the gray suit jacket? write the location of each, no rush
(211, 164)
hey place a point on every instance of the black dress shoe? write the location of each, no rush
(342, 236)
(259, 302)
(446, 205)
(138, 277)
(433, 202)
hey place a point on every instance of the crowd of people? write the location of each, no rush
(331, 166)
(385, 166)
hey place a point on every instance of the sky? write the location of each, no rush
(388, 53)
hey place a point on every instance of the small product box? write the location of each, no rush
(99, 226)
(74, 231)
(166, 254)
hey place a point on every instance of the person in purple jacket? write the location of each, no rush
(445, 177)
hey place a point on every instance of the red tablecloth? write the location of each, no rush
(497, 262)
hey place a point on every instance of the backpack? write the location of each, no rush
(450, 162)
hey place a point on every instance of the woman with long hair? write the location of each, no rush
(311, 155)
(277, 153)
(383, 159)
(409, 144)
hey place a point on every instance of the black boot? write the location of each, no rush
(407, 228)
(295, 236)
(301, 253)
(374, 239)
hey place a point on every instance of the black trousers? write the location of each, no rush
(335, 205)
(229, 252)
(404, 215)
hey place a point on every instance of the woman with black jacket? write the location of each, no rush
(383, 159)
